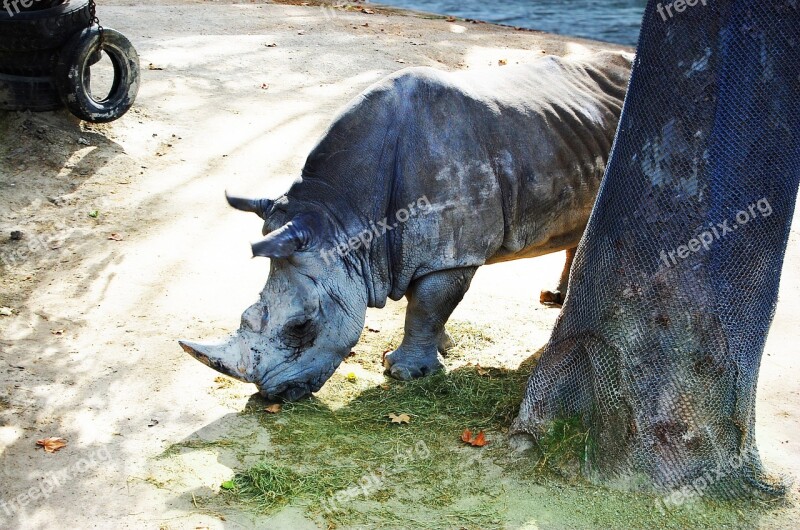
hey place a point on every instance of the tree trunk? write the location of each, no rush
(657, 351)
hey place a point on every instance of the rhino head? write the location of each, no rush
(309, 315)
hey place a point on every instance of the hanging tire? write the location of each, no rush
(28, 93)
(71, 75)
(43, 29)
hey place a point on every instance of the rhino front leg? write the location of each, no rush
(556, 298)
(431, 301)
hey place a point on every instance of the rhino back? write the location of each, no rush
(509, 160)
(511, 164)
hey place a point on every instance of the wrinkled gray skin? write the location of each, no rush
(496, 165)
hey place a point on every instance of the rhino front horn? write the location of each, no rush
(285, 241)
(225, 358)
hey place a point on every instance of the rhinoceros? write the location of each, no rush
(423, 178)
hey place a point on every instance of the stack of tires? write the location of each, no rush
(47, 48)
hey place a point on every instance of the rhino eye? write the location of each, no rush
(299, 335)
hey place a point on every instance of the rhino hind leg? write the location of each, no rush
(431, 301)
(556, 298)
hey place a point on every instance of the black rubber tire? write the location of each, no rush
(72, 69)
(40, 63)
(44, 29)
(38, 5)
(28, 93)
(34, 64)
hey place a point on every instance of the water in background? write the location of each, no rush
(606, 20)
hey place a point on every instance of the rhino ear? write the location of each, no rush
(261, 207)
(292, 237)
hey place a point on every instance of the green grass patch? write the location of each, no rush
(339, 456)
(195, 444)
(269, 487)
(564, 446)
(362, 458)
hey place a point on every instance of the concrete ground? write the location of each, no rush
(128, 246)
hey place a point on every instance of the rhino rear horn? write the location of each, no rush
(261, 207)
(285, 241)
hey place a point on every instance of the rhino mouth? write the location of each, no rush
(294, 388)
(287, 382)
(287, 395)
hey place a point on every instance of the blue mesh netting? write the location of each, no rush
(674, 285)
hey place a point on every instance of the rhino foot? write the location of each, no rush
(555, 298)
(405, 365)
(431, 300)
(551, 298)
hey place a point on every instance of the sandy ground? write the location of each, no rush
(233, 96)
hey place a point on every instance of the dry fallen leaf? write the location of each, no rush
(466, 437)
(502, 62)
(273, 409)
(399, 418)
(478, 441)
(481, 371)
(115, 237)
(51, 445)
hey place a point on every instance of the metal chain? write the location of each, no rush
(94, 20)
